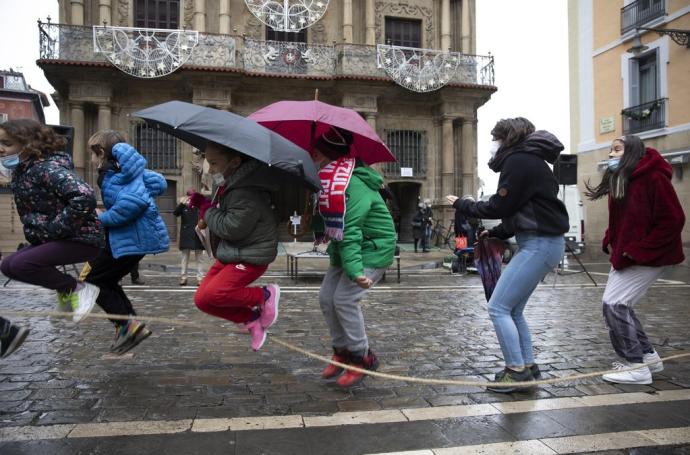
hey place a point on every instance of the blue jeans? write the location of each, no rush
(536, 256)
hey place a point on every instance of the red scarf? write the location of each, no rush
(335, 177)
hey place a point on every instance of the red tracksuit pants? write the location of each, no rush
(224, 292)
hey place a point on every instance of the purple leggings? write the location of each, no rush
(36, 264)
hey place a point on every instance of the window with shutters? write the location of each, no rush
(646, 108)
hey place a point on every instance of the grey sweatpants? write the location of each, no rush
(339, 298)
(624, 289)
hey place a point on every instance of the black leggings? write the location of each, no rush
(106, 273)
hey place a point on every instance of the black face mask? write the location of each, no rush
(108, 165)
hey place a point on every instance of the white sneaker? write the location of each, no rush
(642, 375)
(654, 356)
(83, 301)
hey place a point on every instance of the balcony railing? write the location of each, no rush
(227, 52)
(647, 116)
(640, 12)
(288, 58)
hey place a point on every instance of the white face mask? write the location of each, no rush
(219, 177)
(495, 145)
(5, 172)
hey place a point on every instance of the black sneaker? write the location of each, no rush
(536, 373)
(508, 376)
(14, 338)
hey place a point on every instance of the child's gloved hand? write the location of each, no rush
(197, 199)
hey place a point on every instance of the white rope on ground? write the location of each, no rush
(292, 347)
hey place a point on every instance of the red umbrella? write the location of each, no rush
(303, 121)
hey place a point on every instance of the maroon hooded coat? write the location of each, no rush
(647, 223)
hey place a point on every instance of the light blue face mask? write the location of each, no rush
(10, 161)
(613, 163)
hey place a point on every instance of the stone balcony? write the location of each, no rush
(69, 44)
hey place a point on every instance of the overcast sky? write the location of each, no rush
(528, 38)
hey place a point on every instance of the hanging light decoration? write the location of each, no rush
(426, 70)
(145, 52)
(288, 15)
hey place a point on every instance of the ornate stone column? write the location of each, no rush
(445, 25)
(224, 17)
(448, 159)
(77, 17)
(199, 19)
(79, 150)
(105, 12)
(469, 151)
(347, 21)
(370, 13)
(466, 28)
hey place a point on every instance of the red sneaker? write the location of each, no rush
(331, 370)
(350, 378)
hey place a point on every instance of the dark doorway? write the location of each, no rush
(407, 195)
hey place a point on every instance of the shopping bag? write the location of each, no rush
(460, 242)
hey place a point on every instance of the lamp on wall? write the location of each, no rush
(680, 37)
(637, 47)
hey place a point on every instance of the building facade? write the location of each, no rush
(629, 73)
(420, 88)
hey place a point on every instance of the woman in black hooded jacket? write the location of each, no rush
(527, 204)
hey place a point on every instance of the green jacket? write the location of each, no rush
(245, 224)
(369, 237)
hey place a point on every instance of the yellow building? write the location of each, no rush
(407, 67)
(629, 74)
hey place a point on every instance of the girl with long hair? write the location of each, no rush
(642, 240)
(57, 210)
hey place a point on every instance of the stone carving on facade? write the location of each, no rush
(318, 33)
(123, 13)
(405, 10)
(214, 51)
(254, 29)
(188, 13)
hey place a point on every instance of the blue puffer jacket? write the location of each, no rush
(132, 221)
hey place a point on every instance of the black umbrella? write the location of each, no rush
(198, 125)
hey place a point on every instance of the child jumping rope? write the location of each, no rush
(57, 210)
(244, 235)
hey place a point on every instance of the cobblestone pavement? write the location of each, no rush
(431, 325)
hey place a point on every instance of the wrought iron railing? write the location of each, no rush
(168, 51)
(644, 117)
(162, 151)
(640, 12)
(288, 57)
(409, 147)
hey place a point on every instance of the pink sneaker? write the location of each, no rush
(257, 333)
(269, 310)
